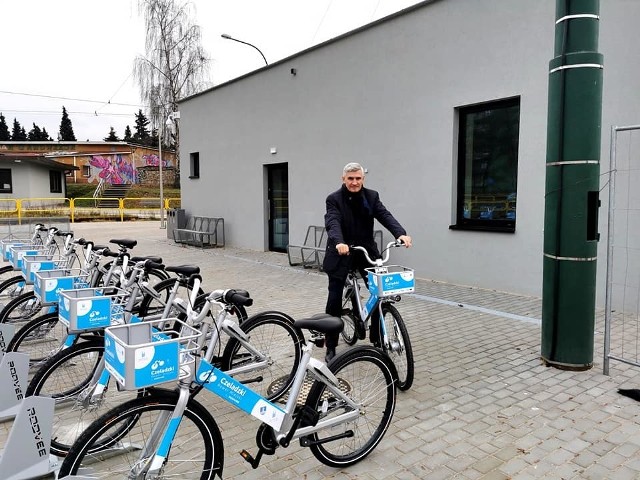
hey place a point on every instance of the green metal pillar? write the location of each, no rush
(572, 184)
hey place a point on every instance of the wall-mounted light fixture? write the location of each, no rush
(273, 150)
(294, 72)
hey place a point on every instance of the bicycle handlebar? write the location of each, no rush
(386, 251)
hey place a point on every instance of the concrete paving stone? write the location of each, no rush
(612, 460)
(559, 456)
(566, 472)
(625, 473)
(628, 450)
(495, 475)
(460, 462)
(487, 464)
(597, 472)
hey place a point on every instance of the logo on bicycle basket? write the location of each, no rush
(157, 364)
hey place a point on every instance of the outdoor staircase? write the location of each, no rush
(110, 195)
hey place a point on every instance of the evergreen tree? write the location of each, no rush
(66, 128)
(45, 135)
(35, 134)
(127, 135)
(4, 129)
(112, 137)
(16, 131)
(23, 134)
(142, 133)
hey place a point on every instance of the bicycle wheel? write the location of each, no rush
(65, 377)
(12, 288)
(22, 309)
(116, 443)
(272, 334)
(368, 377)
(6, 272)
(399, 348)
(40, 338)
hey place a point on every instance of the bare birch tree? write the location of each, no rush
(174, 66)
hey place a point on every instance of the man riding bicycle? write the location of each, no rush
(349, 219)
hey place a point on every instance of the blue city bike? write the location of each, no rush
(386, 284)
(169, 434)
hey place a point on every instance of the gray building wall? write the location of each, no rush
(386, 96)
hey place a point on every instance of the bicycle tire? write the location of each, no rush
(370, 377)
(353, 326)
(39, 338)
(197, 444)
(349, 330)
(21, 309)
(64, 377)
(12, 288)
(399, 351)
(273, 334)
(6, 272)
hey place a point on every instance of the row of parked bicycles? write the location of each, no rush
(124, 345)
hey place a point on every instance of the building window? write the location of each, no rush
(488, 166)
(194, 164)
(6, 184)
(86, 171)
(55, 181)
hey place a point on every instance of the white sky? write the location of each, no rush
(85, 49)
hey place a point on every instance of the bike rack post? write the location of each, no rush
(26, 454)
(7, 331)
(14, 369)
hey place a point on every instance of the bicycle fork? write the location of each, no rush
(154, 455)
(396, 345)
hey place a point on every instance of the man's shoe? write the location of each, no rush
(331, 352)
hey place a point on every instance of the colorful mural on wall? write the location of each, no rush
(153, 161)
(113, 169)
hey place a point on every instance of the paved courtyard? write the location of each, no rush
(482, 405)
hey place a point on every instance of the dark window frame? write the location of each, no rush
(55, 181)
(194, 165)
(4, 173)
(466, 210)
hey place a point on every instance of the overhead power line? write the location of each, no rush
(57, 112)
(102, 102)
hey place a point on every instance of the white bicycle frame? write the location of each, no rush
(240, 395)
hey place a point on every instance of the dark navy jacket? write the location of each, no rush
(349, 219)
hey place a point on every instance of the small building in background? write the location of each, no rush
(32, 176)
(113, 163)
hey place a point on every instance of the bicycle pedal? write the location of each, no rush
(254, 462)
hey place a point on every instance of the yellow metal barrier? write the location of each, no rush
(81, 208)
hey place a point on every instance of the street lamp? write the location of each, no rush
(170, 126)
(229, 37)
(160, 138)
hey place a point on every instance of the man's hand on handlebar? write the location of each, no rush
(343, 249)
(405, 240)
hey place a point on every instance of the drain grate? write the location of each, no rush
(344, 386)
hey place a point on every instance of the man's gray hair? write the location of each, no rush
(352, 167)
